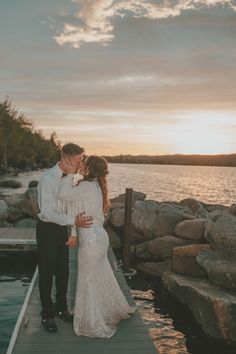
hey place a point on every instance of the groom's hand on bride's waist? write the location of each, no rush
(82, 220)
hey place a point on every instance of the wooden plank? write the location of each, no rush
(131, 337)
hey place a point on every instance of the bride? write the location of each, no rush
(99, 302)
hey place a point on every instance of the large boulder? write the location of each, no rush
(169, 215)
(114, 238)
(232, 209)
(4, 210)
(14, 214)
(26, 223)
(121, 197)
(144, 218)
(15, 200)
(30, 203)
(162, 247)
(196, 207)
(33, 184)
(222, 235)
(141, 252)
(213, 308)
(191, 229)
(154, 268)
(219, 271)
(184, 260)
(191, 203)
(117, 218)
(11, 183)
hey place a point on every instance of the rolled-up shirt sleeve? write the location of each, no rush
(48, 207)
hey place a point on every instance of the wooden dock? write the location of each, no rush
(29, 336)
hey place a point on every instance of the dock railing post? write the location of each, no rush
(127, 230)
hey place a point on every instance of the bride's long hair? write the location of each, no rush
(97, 167)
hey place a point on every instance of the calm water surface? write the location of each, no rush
(13, 290)
(209, 184)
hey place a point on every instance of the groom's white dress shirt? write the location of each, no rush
(48, 198)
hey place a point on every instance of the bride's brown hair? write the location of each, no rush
(97, 167)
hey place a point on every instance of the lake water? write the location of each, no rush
(13, 291)
(209, 184)
(159, 182)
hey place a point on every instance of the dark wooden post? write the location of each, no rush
(127, 229)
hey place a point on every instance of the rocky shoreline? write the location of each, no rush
(189, 245)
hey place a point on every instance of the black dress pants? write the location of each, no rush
(53, 259)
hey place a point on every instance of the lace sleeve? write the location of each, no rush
(73, 198)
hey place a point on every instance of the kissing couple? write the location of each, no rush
(99, 302)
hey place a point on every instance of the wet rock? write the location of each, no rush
(219, 271)
(191, 229)
(169, 216)
(184, 260)
(213, 308)
(15, 200)
(11, 183)
(154, 268)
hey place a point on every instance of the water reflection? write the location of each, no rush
(160, 326)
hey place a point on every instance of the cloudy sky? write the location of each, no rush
(124, 76)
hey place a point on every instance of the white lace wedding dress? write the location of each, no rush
(99, 303)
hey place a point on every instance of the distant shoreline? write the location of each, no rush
(185, 160)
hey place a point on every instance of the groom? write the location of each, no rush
(52, 238)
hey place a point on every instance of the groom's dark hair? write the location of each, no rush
(72, 149)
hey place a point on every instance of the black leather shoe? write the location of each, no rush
(49, 325)
(65, 316)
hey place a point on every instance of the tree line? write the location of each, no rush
(177, 159)
(21, 145)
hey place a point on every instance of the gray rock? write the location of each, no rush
(232, 209)
(213, 308)
(215, 214)
(169, 216)
(121, 197)
(154, 268)
(30, 203)
(11, 183)
(184, 260)
(136, 237)
(14, 214)
(162, 247)
(222, 235)
(191, 203)
(141, 252)
(33, 184)
(144, 218)
(191, 229)
(196, 207)
(26, 223)
(15, 200)
(4, 210)
(117, 218)
(114, 238)
(220, 271)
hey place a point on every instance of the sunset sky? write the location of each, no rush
(124, 76)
